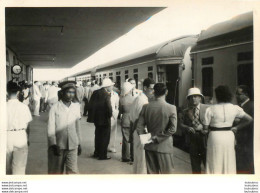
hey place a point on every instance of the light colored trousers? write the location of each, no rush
(36, 106)
(16, 152)
(139, 156)
(66, 162)
(112, 142)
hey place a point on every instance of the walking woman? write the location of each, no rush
(219, 118)
(125, 104)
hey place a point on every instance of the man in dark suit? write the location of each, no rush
(161, 121)
(191, 121)
(245, 136)
(100, 113)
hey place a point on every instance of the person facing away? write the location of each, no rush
(245, 137)
(36, 98)
(135, 91)
(191, 122)
(64, 132)
(94, 86)
(85, 99)
(160, 118)
(18, 118)
(100, 113)
(52, 94)
(125, 103)
(139, 165)
(219, 118)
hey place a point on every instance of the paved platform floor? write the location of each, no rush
(37, 158)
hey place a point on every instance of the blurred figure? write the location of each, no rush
(36, 98)
(52, 94)
(191, 122)
(80, 96)
(138, 148)
(44, 94)
(115, 112)
(18, 118)
(135, 91)
(85, 99)
(245, 137)
(160, 118)
(64, 132)
(26, 94)
(125, 103)
(100, 113)
(219, 118)
(94, 86)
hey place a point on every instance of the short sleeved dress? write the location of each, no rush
(221, 158)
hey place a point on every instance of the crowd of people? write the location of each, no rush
(220, 135)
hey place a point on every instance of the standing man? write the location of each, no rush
(80, 95)
(192, 123)
(93, 87)
(160, 118)
(85, 99)
(245, 137)
(100, 113)
(115, 111)
(36, 98)
(139, 153)
(18, 118)
(64, 132)
(52, 95)
(42, 101)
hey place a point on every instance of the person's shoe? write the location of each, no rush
(105, 158)
(126, 160)
(111, 150)
(94, 156)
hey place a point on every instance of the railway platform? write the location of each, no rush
(38, 160)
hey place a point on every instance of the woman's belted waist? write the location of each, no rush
(220, 128)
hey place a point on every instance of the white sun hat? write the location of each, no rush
(127, 87)
(194, 91)
(107, 82)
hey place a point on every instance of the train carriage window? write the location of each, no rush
(126, 77)
(136, 79)
(7, 56)
(207, 81)
(207, 61)
(126, 71)
(244, 56)
(150, 68)
(245, 77)
(135, 70)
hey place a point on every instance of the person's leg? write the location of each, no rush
(96, 141)
(125, 144)
(104, 141)
(19, 160)
(166, 162)
(55, 163)
(151, 162)
(85, 107)
(41, 105)
(112, 141)
(72, 161)
(9, 160)
(195, 163)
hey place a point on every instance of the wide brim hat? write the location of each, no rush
(107, 82)
(194, 91)
(67, 84)
(127, 87)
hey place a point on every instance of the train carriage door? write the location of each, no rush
(118, 79)
(245, 77)
(172, 77)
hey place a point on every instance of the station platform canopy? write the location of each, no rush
(61, 37)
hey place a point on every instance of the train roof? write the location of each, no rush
(170, 48)
(238, 29)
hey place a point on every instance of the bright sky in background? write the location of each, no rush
(181, 18)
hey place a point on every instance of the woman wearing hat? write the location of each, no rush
(219, 118)
(126, 101)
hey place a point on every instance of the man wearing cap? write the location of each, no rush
(191, 122)
(100, 113)
(64, 132)
(18, 118)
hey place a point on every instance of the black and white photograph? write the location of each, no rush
(131, 89)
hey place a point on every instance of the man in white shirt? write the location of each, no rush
(115, 111)
(80, 96)
(64, 132)
(18, 118)
(52, 94)
(36, 98)
(86, 100)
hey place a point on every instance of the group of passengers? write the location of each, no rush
(220, 135)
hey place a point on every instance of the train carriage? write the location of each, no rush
(224, 55)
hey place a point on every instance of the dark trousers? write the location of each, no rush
(86, 106)
(43, 105)
(159, 163)
(102, 137)
(127, 144)
(244, 159)
(197, 152)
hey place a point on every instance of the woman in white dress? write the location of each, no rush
(219, 118)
